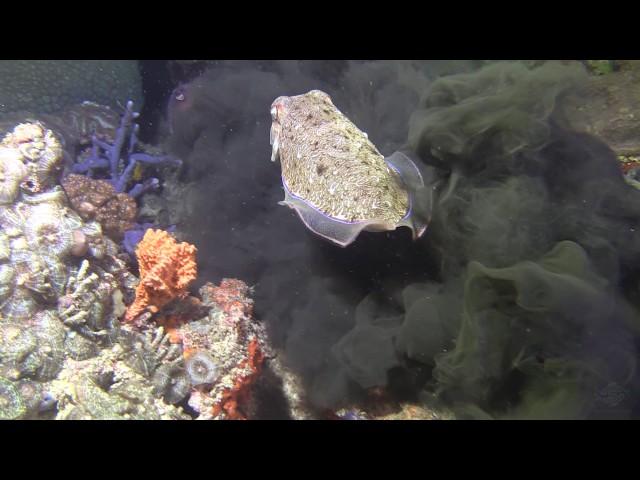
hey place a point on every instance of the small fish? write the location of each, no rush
(336, 179)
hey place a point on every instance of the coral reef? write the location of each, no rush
(11, 402)
(97, 200)
(106, 387)
(61, 283)
(39, 232)
(63, 287)
(31, 159)
(224, 352)
(121, 159)
(146, 351)
(32, 348)
(45, 86)
(166, 270)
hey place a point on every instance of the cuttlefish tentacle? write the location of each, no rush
(274, 140)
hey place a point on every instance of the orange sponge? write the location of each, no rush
(166, 270)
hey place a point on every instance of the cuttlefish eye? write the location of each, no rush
(178, 93)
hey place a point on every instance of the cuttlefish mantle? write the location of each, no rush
(335, 178)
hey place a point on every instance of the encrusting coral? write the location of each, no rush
(107, 387)
(166, 270)
(98, 200)
(234, 347)
(40, 235)
(60, 279)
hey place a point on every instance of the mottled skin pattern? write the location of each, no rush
(329, 163)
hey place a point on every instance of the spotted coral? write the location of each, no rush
(166, 270)
(98, 200)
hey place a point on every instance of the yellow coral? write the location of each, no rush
(166, 270)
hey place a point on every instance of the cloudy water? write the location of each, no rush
(319, 239)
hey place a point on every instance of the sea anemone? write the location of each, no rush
(201, 368)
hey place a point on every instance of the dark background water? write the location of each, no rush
(525, 183)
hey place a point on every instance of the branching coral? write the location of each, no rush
(166, 270)
(121, 159)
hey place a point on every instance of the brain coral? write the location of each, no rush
(45, 86)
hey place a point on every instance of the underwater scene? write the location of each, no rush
(319, 239)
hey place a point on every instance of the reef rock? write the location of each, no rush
(224, 352)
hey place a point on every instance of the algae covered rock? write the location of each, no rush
(608, 106)
(553, 328)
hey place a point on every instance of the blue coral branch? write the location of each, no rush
(134, 236)
(122, 164)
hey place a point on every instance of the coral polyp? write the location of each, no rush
(202, 368)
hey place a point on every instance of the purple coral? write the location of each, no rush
(133, 236)
(120, 158)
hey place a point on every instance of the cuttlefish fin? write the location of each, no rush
(420, 194)
(337, 231)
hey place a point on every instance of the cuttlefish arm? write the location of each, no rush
(274, 136)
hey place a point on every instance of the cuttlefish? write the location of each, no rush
(336, 179)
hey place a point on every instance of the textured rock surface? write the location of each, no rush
(98, 200)
(609, 107)
(106, 387)
(45, 86)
